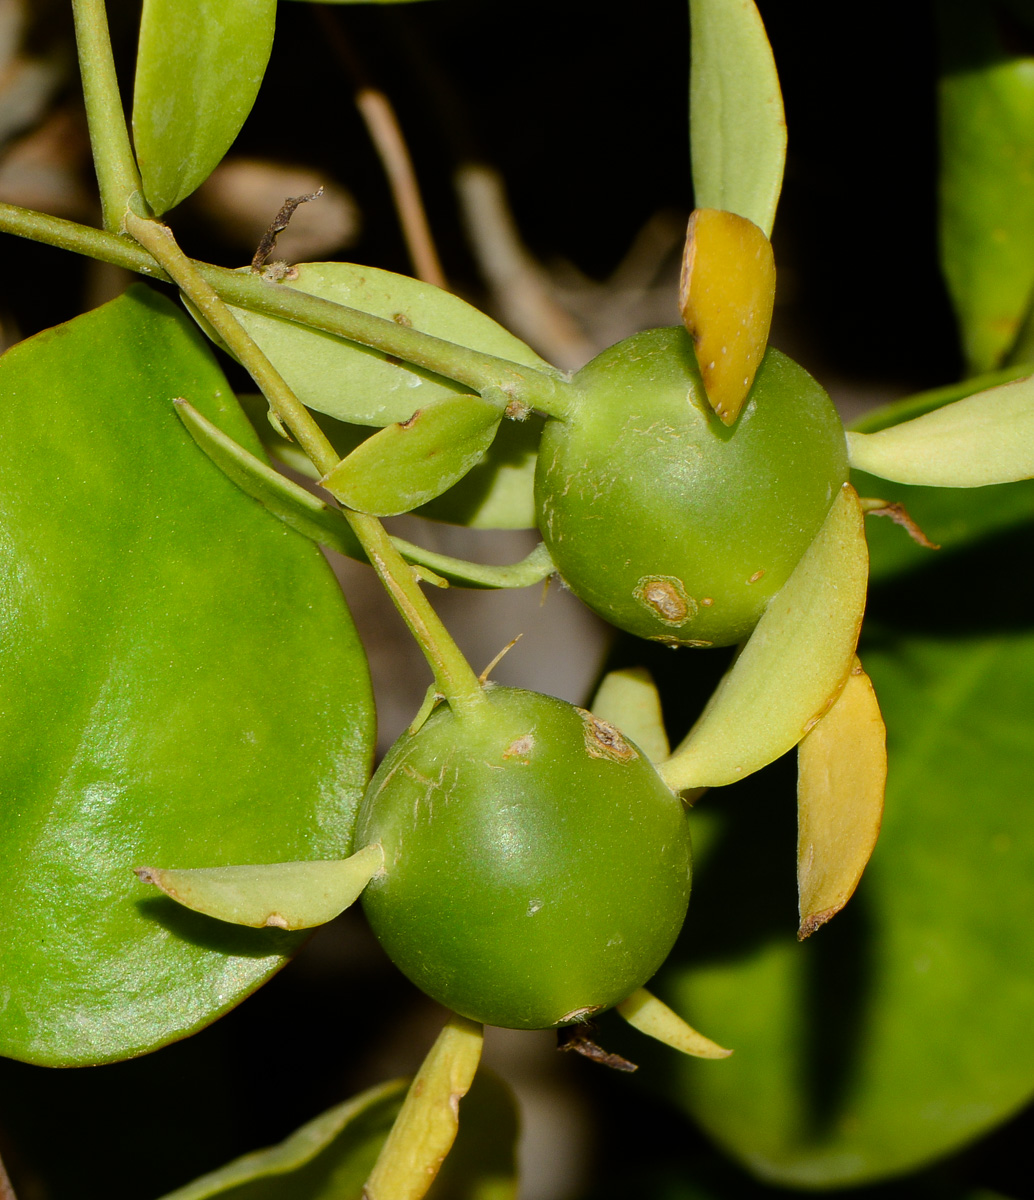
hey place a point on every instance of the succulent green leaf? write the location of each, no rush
(328, 1158)
(984, 439)
(986, 100)
(628, 698)
(410, 462)
(293, 895)
(151, 622)
(792, 666)
(364, 386)
(736, 124)
(198, 71)
(643, 1011)
(902, 1031)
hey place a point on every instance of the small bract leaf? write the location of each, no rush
(629, 699)
(426, 1127)
(736, 124)
(354, 383)
(842, 773)
(726, 299)
(983, 439)
(294, 895)
(413, 461)
(326, 1159)
(198, 71)
(792, 666)
(643, 1011)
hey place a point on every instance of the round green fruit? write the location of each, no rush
(536, 867)
(666, 522)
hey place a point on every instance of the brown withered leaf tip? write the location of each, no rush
(576, 1037)
(815, 921)
(901, 516)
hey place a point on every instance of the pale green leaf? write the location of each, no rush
(643, 1011)
(986, 438)
(736, 124)
(198, 71)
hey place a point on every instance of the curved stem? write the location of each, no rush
(117, 174)
(454, 676)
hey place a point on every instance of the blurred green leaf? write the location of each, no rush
(364, 386)
(327, 1159)
(901, 1032)
(151, 708)
(198, 71)
(736, 125)
(987, 167)
(409, 463)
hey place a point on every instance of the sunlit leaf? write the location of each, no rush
(198, 70)
(426, 1126)
(327, 1159)
(736, 124)
(628, 699)
(413, 461)
(726, 299)
(986, 99)
(643, 1011)
(151, 618)
(841, 777)
(290, 895)
(791, 667)
(354, 383)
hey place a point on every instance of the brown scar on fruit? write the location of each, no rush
(756, 576)
(276, 921)
(521, 748)
(411, 421)
(665, 596)
(603, 740)
(574, 1037)
(673, 643)
(900, 515)
(400, 318)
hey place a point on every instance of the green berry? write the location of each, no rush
(537, 868)
(666, 522)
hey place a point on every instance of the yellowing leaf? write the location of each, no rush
(842, 773)
(983, 439)
(792, 666)
(426, 1127)
(643, 1011)
(726, 299)
(629, 700)
(294, 895)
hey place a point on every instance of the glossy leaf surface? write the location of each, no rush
(329, 1158)
(901, 1032)
(198, 71)
(411, 462)
(152, 706)
(736, 125)
(354, 383)
(986, 100)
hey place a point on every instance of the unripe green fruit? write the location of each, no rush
(536, 866)
(664, 521)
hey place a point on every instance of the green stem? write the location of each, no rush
(548, 391)
(454, 676)
(117, 174)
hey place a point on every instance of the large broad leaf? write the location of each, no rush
(736, 124)
(198, 71)
(152, 618)
(902, 1031)
(364, 386)
(987, 160)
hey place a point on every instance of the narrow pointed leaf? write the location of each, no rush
(151, 621)
(426, 1127)
(726, 298)
(643, 1011)
(842, 774)
(326, 1159)
(792, 666)
(413, 461)
(354, 383)
(984, 439)
(295, 895)
(736, 124)
(198, 70)
(629, 700)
